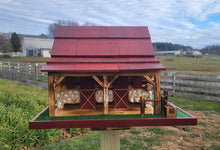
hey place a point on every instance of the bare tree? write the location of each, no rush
(52, 27)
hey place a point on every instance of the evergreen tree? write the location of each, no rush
(16, 42)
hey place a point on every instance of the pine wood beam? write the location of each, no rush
(51, 93)
(105, 89)
(157, 93)
(58, 81)
(112, 81)
(149, 80)
(97, 80)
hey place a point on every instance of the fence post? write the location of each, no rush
(174, 81)
(18, 68)
(36, 72)
(8, 66)
(29, 68)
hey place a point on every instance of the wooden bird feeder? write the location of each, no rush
(105, 77)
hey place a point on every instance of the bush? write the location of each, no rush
(6, 56)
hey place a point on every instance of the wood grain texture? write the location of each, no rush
(51, 93)
(157, 93)
(105, 89)
(110, 140)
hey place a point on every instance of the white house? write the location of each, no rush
(37, 46)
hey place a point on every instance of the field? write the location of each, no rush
(204, 65)
(19, 103)
(191, 65)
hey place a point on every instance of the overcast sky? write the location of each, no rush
(189, 22)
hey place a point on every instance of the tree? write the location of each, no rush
(53, 27)
(16, 42)
(5, 45)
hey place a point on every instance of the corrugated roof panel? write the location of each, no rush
(140, 67)
(101, 32)
(140, 47)
(81, 68)
(97, 47)
(103, 67)
(64, 47)
(103, 60)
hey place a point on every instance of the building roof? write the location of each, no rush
(102, 49)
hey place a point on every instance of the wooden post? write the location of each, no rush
(142, 106)
(51, 94)
(105, 89)
(36, 72)
(163, 103)
(157, 93)
(110, 140)
(174, 81)
(165, 93)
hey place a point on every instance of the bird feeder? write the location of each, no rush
(106, 77)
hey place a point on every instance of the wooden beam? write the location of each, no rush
(97, 80)
(58, 81)
(112, 81)
(110, 140)
(149, 80)
(105, 89)
(157, 93)
(142, 105)
(51, 94)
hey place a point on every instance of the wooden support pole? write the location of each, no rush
(58, 81)
(110, 140)
(163, 103)
(157, 93)
(105, 89)
(51, 94)
(97, 80)
(112, 81)
(142, 106)
(165, 93)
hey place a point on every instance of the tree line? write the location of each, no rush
(165, 46)
(14, 44)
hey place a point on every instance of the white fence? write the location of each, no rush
(194, 86)
(21, 71)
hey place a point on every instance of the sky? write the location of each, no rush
(193, 23)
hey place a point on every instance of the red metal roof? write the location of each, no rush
(102, 49)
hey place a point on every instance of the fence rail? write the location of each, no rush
(194, 86)
(21, 71)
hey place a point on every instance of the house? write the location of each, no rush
(113, 60)
(32, 46)
(166, 52)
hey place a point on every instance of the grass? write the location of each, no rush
(18, 105)
(26, 59)
(190, 64)
(199, 105)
